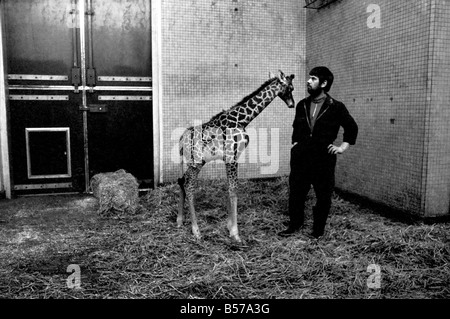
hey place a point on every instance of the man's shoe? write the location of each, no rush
(287, 223)
(289, 231)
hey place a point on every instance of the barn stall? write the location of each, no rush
(96, 86)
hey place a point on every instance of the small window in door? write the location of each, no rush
(48, 152)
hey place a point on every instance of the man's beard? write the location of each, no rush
(313, 92)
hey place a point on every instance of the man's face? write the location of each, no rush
(313, 85)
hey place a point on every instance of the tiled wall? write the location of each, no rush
(215, 52)
(402, 153)
(437, 172)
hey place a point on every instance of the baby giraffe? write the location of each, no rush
(224, 137)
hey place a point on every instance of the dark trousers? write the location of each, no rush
(310, 167)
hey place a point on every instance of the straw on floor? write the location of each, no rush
(146, 256)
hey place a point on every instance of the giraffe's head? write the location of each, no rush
(286, 88)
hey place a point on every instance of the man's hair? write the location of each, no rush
(324, 74)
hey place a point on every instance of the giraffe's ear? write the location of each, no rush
(281, 75)
(271, 75)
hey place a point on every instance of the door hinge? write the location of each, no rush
(76, 78)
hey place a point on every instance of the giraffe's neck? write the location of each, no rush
(250, 109)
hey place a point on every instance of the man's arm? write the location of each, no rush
(350, 132)
(296, 129)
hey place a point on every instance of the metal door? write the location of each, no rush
(79, 78)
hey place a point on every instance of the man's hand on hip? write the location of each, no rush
(332, 149)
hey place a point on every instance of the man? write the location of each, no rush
(318, 119)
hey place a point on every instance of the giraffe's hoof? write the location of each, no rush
(237, 245)
(197, 235)
(236, 239)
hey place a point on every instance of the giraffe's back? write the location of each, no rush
(208, 142)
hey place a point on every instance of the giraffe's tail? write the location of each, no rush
(181, 153)
(182, 179)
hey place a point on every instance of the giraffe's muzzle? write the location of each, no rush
(291, 104)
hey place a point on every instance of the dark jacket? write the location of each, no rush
(331, 117)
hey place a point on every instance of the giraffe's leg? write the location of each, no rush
(229, 221)
(180, 217)
(231, 168)
(190, 185)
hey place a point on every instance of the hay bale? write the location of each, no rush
(117, 192)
